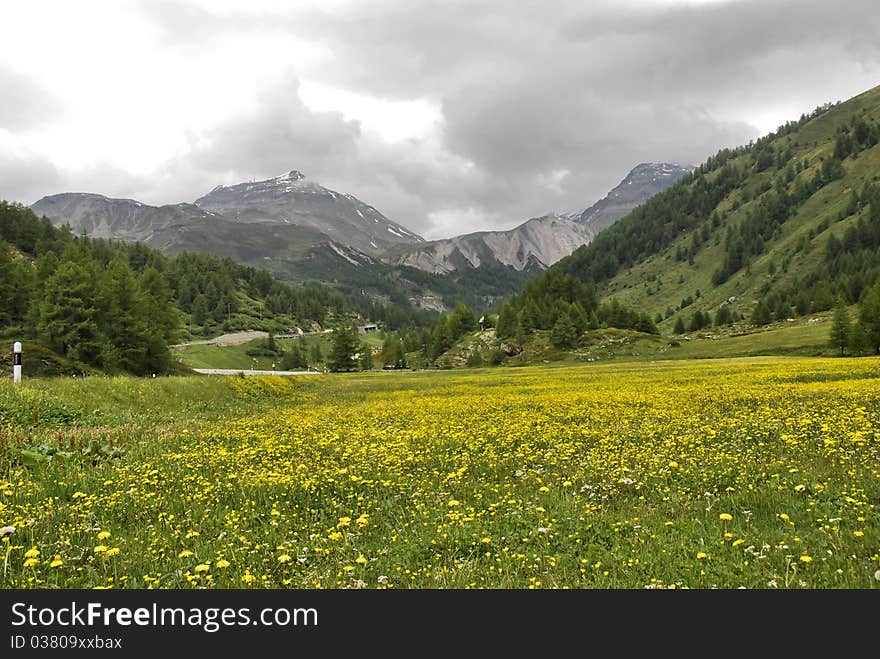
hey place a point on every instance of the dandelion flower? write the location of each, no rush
(284, 558)
(186, 553)
(806, 559)
(103, 535)
(202, 567)
(222, 563)
(702, 555)
(360, 560)
(100, 549)
(32, 553)
(31, 562)
(113, 551)
(726, 517)
(57, 562)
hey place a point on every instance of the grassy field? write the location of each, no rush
(235, 356)
(758, 472)
(799, 338)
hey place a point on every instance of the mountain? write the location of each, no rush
(294, 199)
(539, 242)
(535, 244)
(776, 229)
(297, 230)
(642, 183)
(278, 217)
(118, 219)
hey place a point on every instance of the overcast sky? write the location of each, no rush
(448, 116)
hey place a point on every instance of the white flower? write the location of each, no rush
(6, 530)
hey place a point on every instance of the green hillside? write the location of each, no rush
(83, 304)
(787, 224)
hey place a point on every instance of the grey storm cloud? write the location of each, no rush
(25, 178)
(22, 103)
(545, 105)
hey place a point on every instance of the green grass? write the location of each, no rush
(235, 356)
(659, 282)
(798, 338)
(757, 472)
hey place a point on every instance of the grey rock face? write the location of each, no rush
(541, 241)
(642, 183)
(118, 219)
(537, 243)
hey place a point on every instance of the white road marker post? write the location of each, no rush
(16, 362)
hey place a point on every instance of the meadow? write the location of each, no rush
(756, 472)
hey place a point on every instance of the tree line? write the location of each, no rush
(119, 306)
(860, 336)
(567, 307)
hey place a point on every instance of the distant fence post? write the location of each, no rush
(16, 362)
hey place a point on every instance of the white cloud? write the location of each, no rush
(446, 116)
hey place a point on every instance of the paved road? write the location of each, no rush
(236, 371)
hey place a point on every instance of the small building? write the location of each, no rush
(366, 329)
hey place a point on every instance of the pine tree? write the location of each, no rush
(316, 355)
(679, 326)
(200, 309)
(563, 335)
(869, 318)
(68, 314)
(366, 357)
(840, 328)
(579, 318)
(133, 345)
(157, 295)
(461, 321)
(506, 327)
(295, 358)
(858, 340)
(15, 287)
(345, 347)
(761, 315)
(393, 354)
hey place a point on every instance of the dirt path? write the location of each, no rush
(227, 339)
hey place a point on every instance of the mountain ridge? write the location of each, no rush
(293, 198)
(540, 242)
